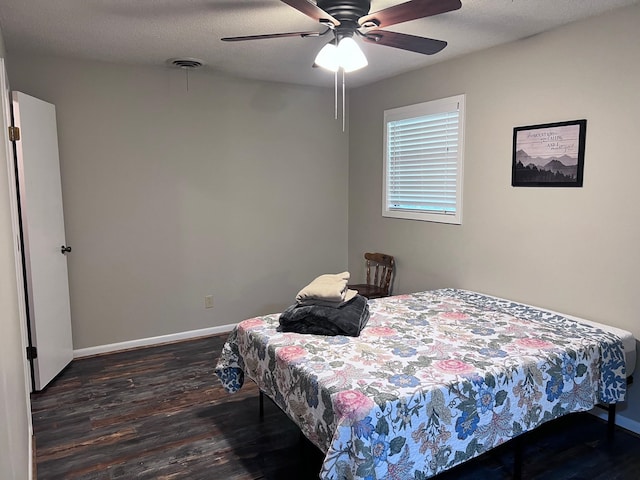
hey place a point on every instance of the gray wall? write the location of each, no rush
(572, 250)
(15, 435)
(233, 188)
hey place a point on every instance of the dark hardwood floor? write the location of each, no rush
(160, 413)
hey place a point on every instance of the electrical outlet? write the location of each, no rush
(208, 301)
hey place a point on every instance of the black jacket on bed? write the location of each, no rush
(347, 319)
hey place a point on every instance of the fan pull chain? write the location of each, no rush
(335, 84)
(343, 101)
(335, 96)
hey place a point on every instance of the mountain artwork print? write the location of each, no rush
(549, 155)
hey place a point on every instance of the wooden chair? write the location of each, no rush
(379, 284)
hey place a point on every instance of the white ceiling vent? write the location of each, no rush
(187, 63)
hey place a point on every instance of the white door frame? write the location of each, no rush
(5, 103)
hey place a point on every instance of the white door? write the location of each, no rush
(45, 261)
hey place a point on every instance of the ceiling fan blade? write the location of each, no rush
(271, 35)
(310, 9)
(411, 10)
(403, 41)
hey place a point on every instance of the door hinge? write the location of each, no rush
(14, 134)
(32, 353)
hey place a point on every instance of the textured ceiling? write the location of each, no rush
(152, 31)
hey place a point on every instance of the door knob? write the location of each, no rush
(64, 249)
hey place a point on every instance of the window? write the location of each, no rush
(423, 161)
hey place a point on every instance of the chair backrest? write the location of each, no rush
(383, 266)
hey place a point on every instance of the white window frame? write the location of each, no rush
(433, 107)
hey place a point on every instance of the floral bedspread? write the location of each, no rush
(436, 378)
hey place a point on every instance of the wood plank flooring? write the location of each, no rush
(160, 413)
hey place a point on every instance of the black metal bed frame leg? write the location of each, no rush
(261, 405)
(517, 458)
(611, 420)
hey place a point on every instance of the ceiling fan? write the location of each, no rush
(349, 18)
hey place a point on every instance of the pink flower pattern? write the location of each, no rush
(536, 343)
(380, 331)
(291, 353)
(352, 405)
(251, 323)
(455, 316)
(454, 366)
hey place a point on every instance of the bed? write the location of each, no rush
(434, 379)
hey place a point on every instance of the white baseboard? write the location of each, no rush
(621, 420)
(146, 342)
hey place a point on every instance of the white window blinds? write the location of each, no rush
(423, 161)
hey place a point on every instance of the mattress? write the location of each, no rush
(628, 341)
(627, 338)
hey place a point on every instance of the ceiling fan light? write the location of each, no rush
(328, 57)
(350, 55)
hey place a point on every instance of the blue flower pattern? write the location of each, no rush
(493, 352)
(483, 331)
(466, 424)
(554, 388)
(568, 368)
(404, 351)
(485, 400)
(402, 380)
(379, 449)
(363, 428)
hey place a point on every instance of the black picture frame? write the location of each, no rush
(549, 154)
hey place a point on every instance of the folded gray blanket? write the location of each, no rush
(348, 319)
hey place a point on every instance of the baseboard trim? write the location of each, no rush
(147, 342)
(621, 420)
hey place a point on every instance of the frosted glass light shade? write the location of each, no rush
(328, 57)
(346, 55)
(350, 56)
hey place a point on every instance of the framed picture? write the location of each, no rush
(549, 155)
